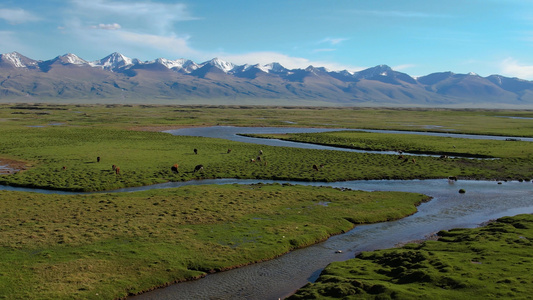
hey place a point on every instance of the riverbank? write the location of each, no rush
(114, 245)
(489, 262)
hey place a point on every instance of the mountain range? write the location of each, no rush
(119, 79)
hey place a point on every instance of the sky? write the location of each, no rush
(417, 37)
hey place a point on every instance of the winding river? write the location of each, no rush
(280, 277)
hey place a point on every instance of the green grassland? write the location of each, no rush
(110, 245)
(59, 246)
(491, 262)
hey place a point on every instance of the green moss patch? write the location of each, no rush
(491, 262)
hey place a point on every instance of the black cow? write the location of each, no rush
(174, 168)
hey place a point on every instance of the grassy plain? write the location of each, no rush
(78, 246)
(60, 145)
(491, 262)
(111, 245)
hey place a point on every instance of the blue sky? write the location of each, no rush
(417, 37)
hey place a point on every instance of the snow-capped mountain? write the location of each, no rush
(114, 61)
(216, 62)
(17, 60)
(117, 76)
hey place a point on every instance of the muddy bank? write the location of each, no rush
(10, 166)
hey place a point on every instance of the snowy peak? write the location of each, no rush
(220, 64)
(275, 67)
(381, 70)
(70, 58)
(113, 62)
(17, 60)
(183, 65)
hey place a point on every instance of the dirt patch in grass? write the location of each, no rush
(10, 166)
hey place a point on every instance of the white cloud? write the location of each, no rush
(403, 67)
(333, 41)
(17, 16)
(143, 15)
(511, 67)
(113, 26)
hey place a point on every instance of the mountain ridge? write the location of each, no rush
(119, 78)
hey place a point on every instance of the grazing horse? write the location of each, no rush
(98, 159)
(315, 167)
(174, 168)
(195, 151)
(198, 168)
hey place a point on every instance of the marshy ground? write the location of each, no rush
(111, 245)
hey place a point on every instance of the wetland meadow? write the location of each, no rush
(94, 244)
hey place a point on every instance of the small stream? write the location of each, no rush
(280, 277)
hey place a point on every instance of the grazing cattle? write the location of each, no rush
(443, 156)
(98, 159)
(414, 161)
(64, 167)
(400, 157)
(113, 167)
(117, 170)
(252, 160)
(406, 160)
(195, 151)
(452, 178)
(174, 168)
(315, 167)
(229, 151)
(198, 168)
(260, 152)
(258, 158)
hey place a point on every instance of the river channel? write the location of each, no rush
(280, 277)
